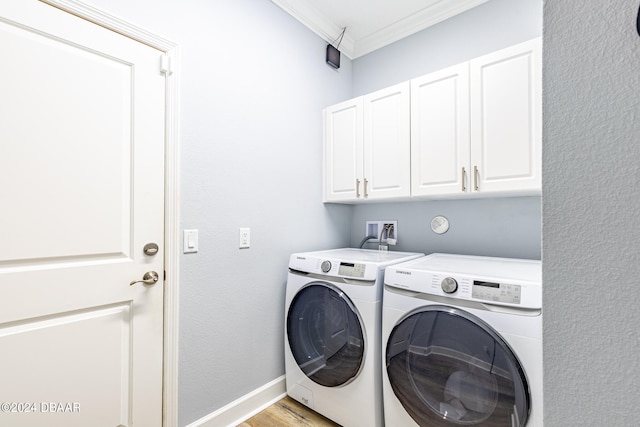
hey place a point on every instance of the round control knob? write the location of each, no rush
(325, 266)
(449, 285)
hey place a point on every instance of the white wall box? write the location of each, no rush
(367, 147)
(475, 130)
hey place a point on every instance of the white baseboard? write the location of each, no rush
(245, 407)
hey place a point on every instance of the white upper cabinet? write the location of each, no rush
(506, 119)
(473, 129)
(440, 150)
(343, 159)
(367, 148)
(476, 127)
(387, 147)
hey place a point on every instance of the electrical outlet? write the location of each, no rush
(245, 238)
(375, 228)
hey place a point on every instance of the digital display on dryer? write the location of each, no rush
(487, 284)
(497, 292)
(351, 270)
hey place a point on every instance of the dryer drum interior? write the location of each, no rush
(449, 368)
(325, 335)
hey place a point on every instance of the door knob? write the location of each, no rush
(149, 278)
(150, 249)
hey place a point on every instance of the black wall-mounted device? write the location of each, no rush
(333, 56)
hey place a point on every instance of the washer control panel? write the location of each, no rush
(325, 266)
(349, 269)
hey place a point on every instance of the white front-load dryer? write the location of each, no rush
(332, 332)
(462, 342)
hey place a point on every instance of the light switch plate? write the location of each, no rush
(190, 241)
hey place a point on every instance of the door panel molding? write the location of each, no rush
(172, 187)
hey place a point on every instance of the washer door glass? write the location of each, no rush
(449, 368)
(325, 334)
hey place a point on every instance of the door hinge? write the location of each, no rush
(165, 64)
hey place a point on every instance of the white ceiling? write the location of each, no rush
(371, 24)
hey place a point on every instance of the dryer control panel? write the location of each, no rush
(498, 281)
(496, 292)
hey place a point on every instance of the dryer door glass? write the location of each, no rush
(449, 368)
(325, 334)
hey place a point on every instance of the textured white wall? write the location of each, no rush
(591, 233)
(253, 86)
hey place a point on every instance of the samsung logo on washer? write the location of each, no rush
(302, 258)
(408, 273)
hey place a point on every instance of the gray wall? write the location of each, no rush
(504, 227)
(491, 227)
(590, 213)
(253, 86)
(483, 29)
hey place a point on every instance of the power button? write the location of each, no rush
(325, 266)
(449, 285)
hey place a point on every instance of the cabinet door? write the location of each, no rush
(506, 112)
(440, 132)
(343, 159)
(386, 143)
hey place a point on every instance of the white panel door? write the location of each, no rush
(506, 112)
(81, 167)
(440, 132)
(387, 143)
(343, 151)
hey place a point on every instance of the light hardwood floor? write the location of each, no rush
(288, 413)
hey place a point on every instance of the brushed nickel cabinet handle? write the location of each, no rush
(365, 188)
(475, 177)
(464, 179)
(357, 188)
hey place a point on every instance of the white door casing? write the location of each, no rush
(81, 159)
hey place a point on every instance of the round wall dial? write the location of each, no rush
(439, 224)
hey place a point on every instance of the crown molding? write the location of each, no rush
(412, 24)
(317, 22)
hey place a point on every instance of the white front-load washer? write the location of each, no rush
(462, 342)
(332, 332)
